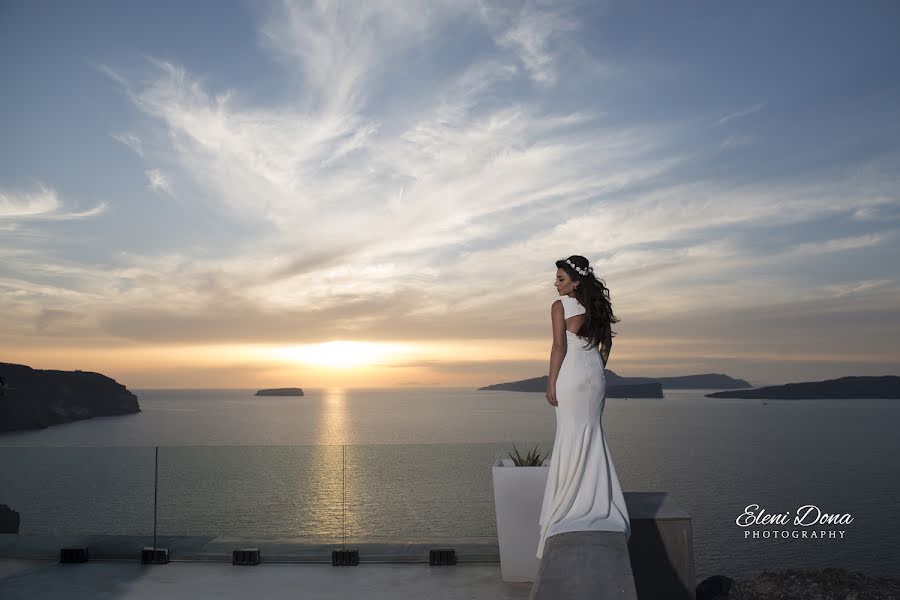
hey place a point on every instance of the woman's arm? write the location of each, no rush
(560, 346)
(607, 346)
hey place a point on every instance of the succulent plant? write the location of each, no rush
(532, 459)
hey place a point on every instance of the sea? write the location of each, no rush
(416, 463)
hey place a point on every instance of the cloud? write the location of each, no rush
(41, 204)
(666, 242)
(736, 141)
(46, 317)
(459, 166)
(159, 182)
(879, 209)
(842, 244)
(131, 140)
(341, 48)
(28, 204)
(838, 290)
(533, 34)
(741, 113)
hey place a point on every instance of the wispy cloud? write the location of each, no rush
(839, 244)
(131, 140)
(736, 141)
(28, 204)
(159, 182)
(40, 204)
(535, 35)
(48, 317)
(741, 113)
(457, 164)
(341, 48)
(858, 287)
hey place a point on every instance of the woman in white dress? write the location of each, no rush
(583, 492)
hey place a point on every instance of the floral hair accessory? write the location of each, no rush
(578, 270)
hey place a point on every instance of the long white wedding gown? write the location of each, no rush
(583, 491)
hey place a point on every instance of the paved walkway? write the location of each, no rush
(95, 580)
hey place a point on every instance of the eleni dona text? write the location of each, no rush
(806, 516)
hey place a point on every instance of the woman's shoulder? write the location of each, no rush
(571, 306)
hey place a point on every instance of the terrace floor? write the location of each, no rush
(37, 579)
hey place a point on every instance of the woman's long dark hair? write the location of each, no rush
(594, 296)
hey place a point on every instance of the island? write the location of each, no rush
(634, 387)
(852, 387)
(39, 398)
(705, 381)
(539, 384)
(280, 392)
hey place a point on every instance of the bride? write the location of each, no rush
(582, 491)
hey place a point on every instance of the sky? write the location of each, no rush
(374, 194)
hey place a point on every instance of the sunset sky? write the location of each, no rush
(373, 194)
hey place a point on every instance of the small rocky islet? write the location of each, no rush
(291, 391)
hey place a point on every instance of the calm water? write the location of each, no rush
(371, 463)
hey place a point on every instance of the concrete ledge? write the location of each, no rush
(585, 564)
(655, 563)
(661, 547)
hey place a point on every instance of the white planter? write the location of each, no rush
(518, 495)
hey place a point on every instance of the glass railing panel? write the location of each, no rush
(293, 502)
(284, 500)
(100, 497)
(404, 498)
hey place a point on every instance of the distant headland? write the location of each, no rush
(539, 384)
(633, 387)
(280, 392)
(704, 381)
(884, 386)
(37, 398)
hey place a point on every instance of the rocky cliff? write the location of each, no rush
(885, 386)
(37, 398)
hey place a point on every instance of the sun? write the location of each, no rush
(337, 355)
